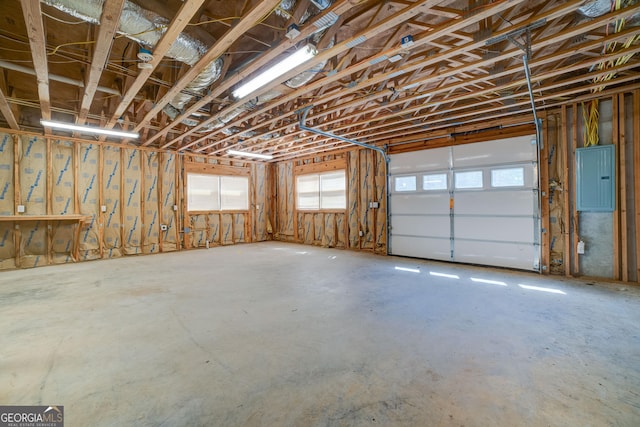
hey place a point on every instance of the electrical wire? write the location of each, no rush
(62, 20)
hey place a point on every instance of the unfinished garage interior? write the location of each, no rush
(321, 212)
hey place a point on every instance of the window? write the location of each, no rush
(512, 177)
(213, 192)
(471, 179)
(203, 192)
(321, 191)
(405, 183)
(234, 193)
(436, 181)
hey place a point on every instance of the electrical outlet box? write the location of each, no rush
(21, 209)
(292, 32)
(580, 248)
(103, 208)
(374, 205)
(257, 207)
(407, 41)
(164, 227)
(175, 207)
(361, 233)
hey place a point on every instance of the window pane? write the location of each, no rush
(333, 193)
(308, 189)
(405, 183)
(436, 181)
(234, 193)
(512, 177)
(472, 179)
(202, 192)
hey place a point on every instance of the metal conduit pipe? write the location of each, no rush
(73, 82)
(539, 145)
(303, 118)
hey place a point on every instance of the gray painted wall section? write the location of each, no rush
(596, 228)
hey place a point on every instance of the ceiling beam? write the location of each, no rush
(5, 109)
(37, 41)
(338, 8)
(179, 22)
(253, 17)
(109, 22)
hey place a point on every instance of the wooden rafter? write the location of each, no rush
(179, 22)
(249, 20)
(37, 41)
(109, 22)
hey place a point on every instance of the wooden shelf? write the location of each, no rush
(72, 217)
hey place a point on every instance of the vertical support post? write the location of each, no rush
(17, 197)
(568, 249)
(574, 212)
(636, 174)
(122, 199)
(159, 189)
(543, 178)
(616, 212)
(49, 201)
(101, 214)
(624, 249)
(143, 224)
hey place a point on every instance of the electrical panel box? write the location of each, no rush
(596, 178)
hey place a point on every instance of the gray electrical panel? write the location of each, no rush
(596, 178)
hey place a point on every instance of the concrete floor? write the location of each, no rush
(276, 334)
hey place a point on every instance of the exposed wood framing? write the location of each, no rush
(108, 25)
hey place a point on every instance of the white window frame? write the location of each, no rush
(415, 183)
(446, 181)
(460, 172)
(219, 204)
(319, 206)
(522, 172)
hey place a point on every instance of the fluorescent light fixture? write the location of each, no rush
(448, 276)
(248, 154)
(538, 288)
(270, 74)
(410, 270)
(88, 129)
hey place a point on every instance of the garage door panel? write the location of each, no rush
(512, 150)
(435, 203)
(496, 253)
(422, 247)
(418, 161)
(506, 202)
(423, 226)
(493, 224)
(503, 229)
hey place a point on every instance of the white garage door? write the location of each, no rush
(474, 203)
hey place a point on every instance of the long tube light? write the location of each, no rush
(270, 74)
(88, 129)
(248, 154)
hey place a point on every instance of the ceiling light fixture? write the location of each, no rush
(88, 129)
(270, 74)
(247, 154)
